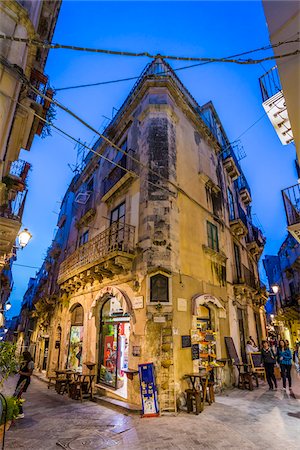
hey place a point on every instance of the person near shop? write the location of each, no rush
(251, 347)
(25, 373)
(269, 360)
(284, 358)
(296, 356)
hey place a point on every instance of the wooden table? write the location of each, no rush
(204, 374)
(82, 385)
(62, 380)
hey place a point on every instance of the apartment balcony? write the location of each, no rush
(10, 223)
(117, 177)
(231, 163)
(239, 223)
(291, 200)
(107, 254)
(255, 241)
(275, 106)
(245, 279)
(244, 190)
(88, 210)
(17, 177)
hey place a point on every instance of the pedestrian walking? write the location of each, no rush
(296, 357)
(284, 358)
(25, 373)
(269, 360)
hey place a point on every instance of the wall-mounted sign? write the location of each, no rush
(182, 304)
(186, 341)
(159, 319)
(136, 350)
(138, 302)
(195, 351)
(148, 390)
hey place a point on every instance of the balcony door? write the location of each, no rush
(117, 227)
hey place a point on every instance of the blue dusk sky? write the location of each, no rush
(208, 29)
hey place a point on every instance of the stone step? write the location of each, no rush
(117, 405)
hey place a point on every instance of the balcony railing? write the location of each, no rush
(246, 277)
(14, 208)
(119, 237)
(115, 175)
(291, 200)
(242, 183)
(255, 235)
(20, 169)
(270, 84)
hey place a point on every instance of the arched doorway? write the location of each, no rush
(114, 344)
(74, 360)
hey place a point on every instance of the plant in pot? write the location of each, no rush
(8, 366)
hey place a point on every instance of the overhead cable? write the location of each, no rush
(190, 66)
(49, 45)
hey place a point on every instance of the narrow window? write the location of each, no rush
(230, 205)
(159, 288)
(212, 236)
(237, 257)
(84, 237)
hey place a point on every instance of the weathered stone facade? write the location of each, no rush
(149, 236)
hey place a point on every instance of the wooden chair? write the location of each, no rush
(194, 396)
(255, 361)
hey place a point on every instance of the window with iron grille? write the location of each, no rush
(159, 288)
(212, 236)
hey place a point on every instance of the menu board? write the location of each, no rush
(231, 350)
(186, 341)
(255, 359)
(195, 351)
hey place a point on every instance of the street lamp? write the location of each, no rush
(6, 307)
(24, 237)
(275, 288)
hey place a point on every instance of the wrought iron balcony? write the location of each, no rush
(244, 189)
(275, 106)
(245, 277)
(239, 223)
(14, 208)
(255, 240)
(19, 169)
(231, 163)
(107, 254)
(117, 176)
(291, 200)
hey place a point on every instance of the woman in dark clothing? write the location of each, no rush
(269, 361)
(25, 373)
(284, 358)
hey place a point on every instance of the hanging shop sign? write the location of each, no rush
(148, 390)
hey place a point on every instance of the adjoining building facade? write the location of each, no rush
(155, 244)
(34, 19)
(283, 308)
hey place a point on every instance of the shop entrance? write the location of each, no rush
(241, 321)
(114, 345)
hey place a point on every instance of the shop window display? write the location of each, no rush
(76, 339)
(114, 344)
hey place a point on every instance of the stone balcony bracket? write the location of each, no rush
(231, 168)
(238, 228)
(245, 196)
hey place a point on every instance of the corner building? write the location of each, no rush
(159, 245)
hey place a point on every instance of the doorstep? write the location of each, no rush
(119, 405)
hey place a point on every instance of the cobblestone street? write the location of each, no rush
(239, 419)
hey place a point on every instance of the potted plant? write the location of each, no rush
(9, 411)
(8, 405)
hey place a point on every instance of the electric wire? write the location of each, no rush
(48, 45)
(100, 83)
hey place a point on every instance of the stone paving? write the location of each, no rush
(238, 420)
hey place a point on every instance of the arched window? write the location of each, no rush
(76, 339)
(203, 318)
(159, 288)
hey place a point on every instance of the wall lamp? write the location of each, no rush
(6, 307)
